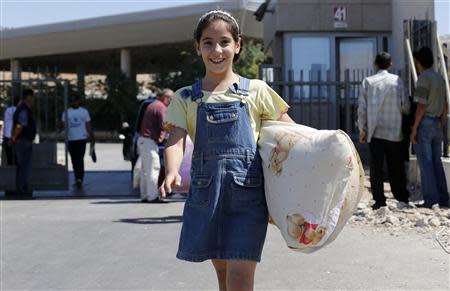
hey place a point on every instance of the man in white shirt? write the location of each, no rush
(380, 109)
(7, 131)
(79, 130)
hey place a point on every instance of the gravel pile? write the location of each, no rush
(397, 221)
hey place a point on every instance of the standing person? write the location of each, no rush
(427, 131)
(8, 130)
(79, 130)
(151, 134)
(225, 215)
(380, 109)
(24, 132)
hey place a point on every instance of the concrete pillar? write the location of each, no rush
(80, 81)
(15, 69)
(404, 10)
(16, 75)
(125, 62)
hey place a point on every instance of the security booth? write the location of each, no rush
(49, 158)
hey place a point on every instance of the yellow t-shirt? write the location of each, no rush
(263, 104)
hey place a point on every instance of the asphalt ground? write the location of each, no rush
(105, 239)
(121, 244)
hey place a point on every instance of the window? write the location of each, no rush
(310, 61)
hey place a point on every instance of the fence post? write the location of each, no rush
(260, 73)
(66, 121)
(290, 86)
(347, 99)
(319, 96)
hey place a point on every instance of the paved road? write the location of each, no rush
(108, 243)
(120, 244)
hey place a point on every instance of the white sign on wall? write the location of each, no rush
(340, 17)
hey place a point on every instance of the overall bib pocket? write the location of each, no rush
(222, 124)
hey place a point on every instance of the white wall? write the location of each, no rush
(403, 10)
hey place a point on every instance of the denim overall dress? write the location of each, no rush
(225, 215)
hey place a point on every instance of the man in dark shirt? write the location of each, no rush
(152, 133)
(427, 131)
(24, 131)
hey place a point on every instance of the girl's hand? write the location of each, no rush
(170, 180)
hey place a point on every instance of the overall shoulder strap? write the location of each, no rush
(197, 90)
(195, 93)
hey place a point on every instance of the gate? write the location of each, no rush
(316, 99)
(49, 170)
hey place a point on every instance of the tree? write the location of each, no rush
(121, 103)
(251, 57)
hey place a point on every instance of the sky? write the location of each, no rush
(19, 13)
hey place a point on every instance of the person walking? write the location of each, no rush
(151, 135)
(79, 131)
(8, 121)
(24, 132)
(427, 131)
(225, 215)
(380, 108)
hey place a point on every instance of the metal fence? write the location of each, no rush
(316, 98)
(49, 171)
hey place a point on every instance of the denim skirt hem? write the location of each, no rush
(219, 256)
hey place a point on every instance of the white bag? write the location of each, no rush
(137, 173)
(313, 182)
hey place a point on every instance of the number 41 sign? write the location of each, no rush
(340, 17)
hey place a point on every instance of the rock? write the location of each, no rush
(380, 220)
(362, 205)
(382, 211)
(410, 217)
(418, 216)
(360, 213)
(422, 222)
(435, 222)
(392, 219)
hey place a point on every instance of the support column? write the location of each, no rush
(80, 80)
(15, 69)
(125, 62)
(16, 76)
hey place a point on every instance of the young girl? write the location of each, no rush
(225, 215)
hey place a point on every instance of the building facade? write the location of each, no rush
(338, 35)
(323, 49)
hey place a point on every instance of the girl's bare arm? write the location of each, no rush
(173, 156)
(286, 118)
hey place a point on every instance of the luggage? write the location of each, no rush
(313, 182)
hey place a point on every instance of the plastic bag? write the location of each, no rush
(313, 182)
(137, 173)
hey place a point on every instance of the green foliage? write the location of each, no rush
(251, 57)
(180, 67)
(121, 104)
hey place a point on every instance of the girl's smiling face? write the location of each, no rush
(217, 48)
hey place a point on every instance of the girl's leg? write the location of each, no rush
(240, 275)
(221, 271)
